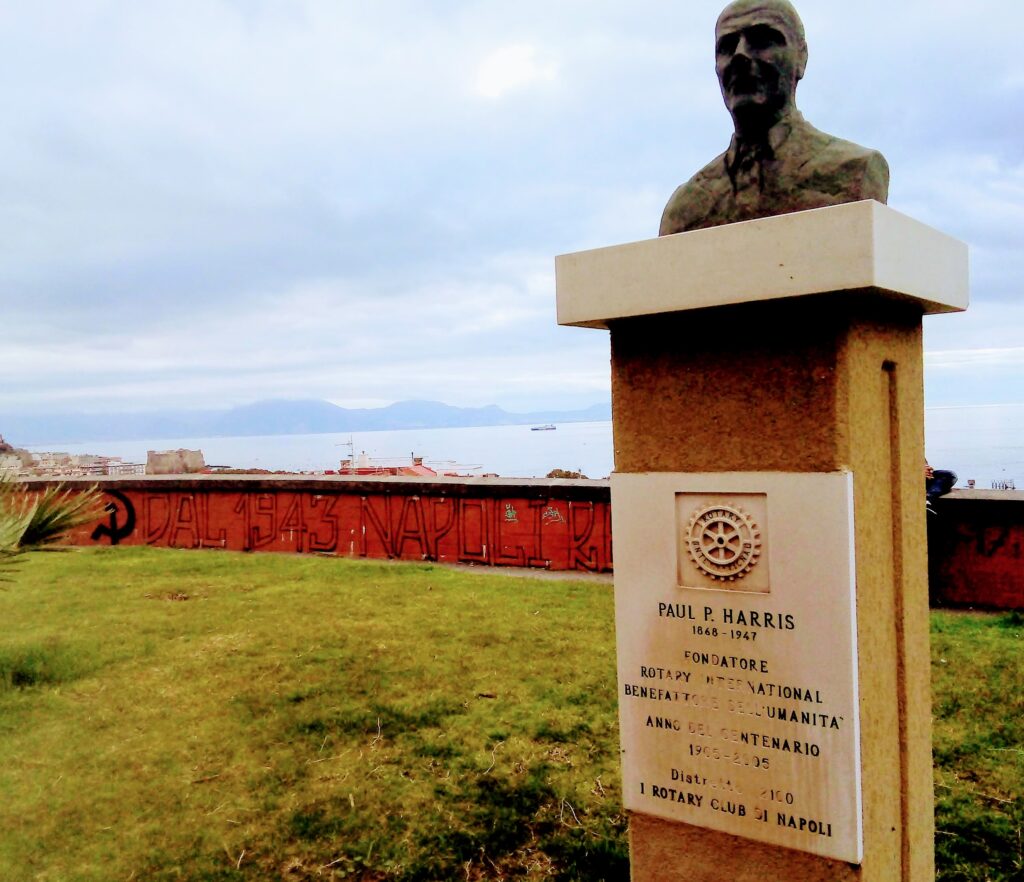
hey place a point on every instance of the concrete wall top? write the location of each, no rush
(1011, 496)
(526, 488)
(855, 247)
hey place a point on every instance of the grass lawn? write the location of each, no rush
(978, 745)
(214, 716)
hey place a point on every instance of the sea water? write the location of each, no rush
(984, 443)
(981, 443)
(509, 451)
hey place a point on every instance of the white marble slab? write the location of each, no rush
(736, 633)
(852, 247)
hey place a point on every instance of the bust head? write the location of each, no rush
(768, 169)
(760, 56)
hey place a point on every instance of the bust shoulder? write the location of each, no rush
(693, 201)
(810, 169)
(831, 165)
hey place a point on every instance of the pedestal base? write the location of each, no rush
(793, 344)
(819, 384)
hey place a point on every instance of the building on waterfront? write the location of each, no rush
(18, 463)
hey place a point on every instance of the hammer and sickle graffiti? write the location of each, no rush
(114, 529)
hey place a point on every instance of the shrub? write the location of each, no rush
(30, 520)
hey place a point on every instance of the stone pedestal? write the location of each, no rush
(790, 344)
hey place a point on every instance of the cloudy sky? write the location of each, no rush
(208, 202)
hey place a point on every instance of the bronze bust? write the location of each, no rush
(777, 162)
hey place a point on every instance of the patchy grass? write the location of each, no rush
(978, 699)
(214, 716)
(169, 715)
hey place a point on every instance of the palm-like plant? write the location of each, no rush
(31, 520)
(11, 528)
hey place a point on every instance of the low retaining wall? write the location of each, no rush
(975, 541)
(976, 549)
(547, 524)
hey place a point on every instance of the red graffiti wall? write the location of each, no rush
(976, 550)
(975, 541)
(557, 525)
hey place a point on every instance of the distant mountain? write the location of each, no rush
(271, 417)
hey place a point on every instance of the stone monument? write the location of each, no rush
(770, 580)
(776, 162)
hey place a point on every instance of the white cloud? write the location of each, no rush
(512, 68)
(957, 358)
(213, 201)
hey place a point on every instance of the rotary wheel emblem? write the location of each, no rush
(723, 542)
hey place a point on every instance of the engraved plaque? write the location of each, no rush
(736, 631)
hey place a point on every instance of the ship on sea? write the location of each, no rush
(547, 428)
